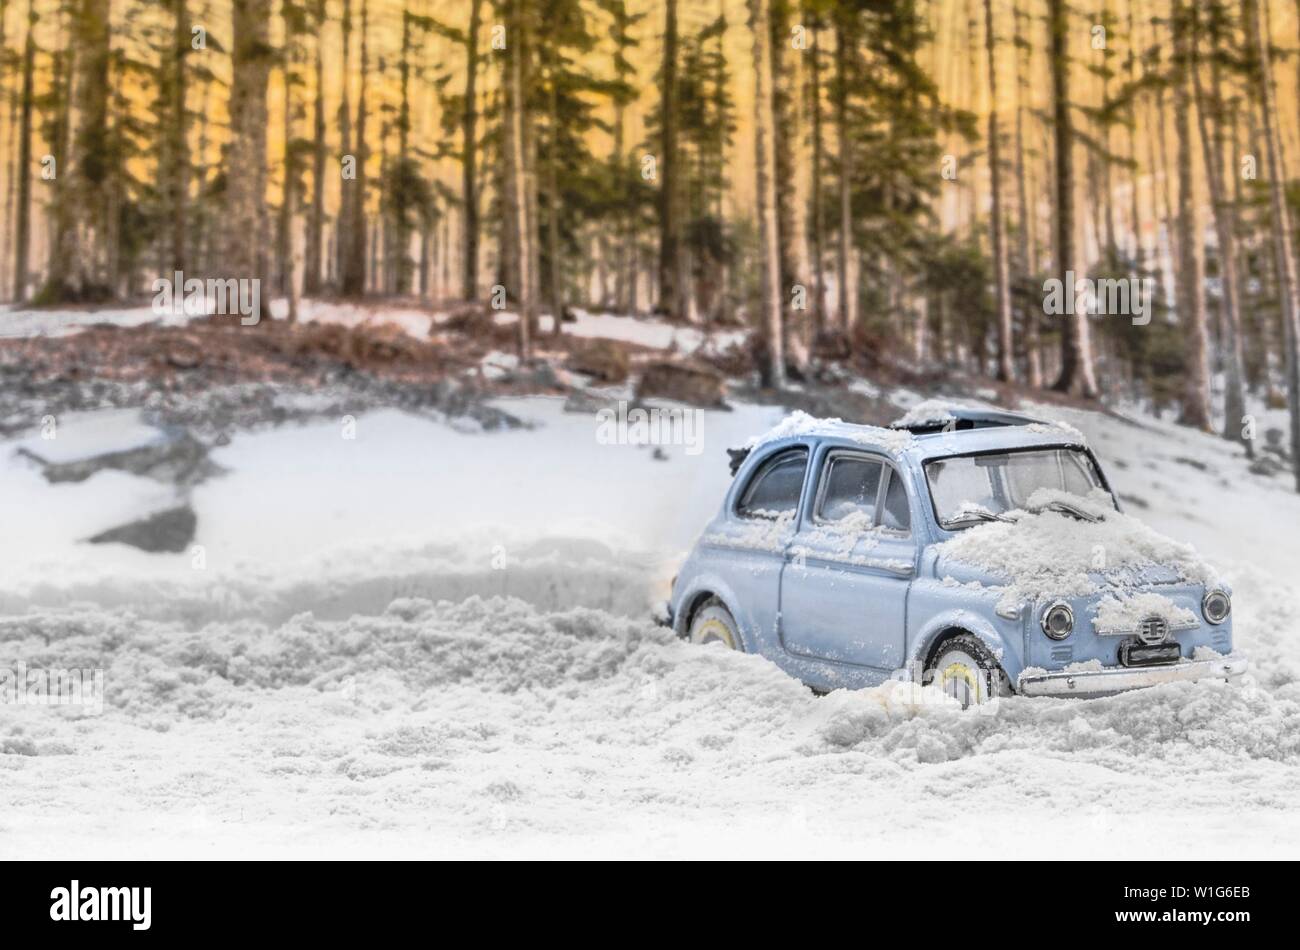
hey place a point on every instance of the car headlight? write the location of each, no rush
(1058, 620)
(1216, 605)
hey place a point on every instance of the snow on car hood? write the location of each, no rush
(1051, 554)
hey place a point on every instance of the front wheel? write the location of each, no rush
(965, 670)
(713, 623)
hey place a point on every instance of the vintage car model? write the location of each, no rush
(976, 549)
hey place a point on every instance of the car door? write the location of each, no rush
(755, 534)
(847, 570)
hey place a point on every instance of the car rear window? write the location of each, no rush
(775, 490)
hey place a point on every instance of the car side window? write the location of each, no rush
(852, 485)
(895, 513)
(775, 490)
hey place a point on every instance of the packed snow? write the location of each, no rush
(1050, 553)
(426, 642)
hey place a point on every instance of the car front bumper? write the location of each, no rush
(1117, 679)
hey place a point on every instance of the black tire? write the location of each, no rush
(713, 623)
(965, 669)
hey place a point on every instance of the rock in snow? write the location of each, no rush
(169, 531)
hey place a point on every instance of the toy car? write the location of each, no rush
(976, 549)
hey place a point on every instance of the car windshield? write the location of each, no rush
(971, 489)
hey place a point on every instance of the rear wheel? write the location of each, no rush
(713, 623)
(964, 669)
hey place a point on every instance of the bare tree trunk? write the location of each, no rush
(1001, 271)
(469, 162)
(352, 276)
(847, 291)
(512, 66)
(81, 250)
(1191, 264)
(288, 199)
(674, 275)
(343, 221)
(311, 279)
(765, 166)
(1286, 267)
(22, 230)
(818, 160)
(1076, 348)
(245, 245)
(791, 196)
(1135, 206)
(176, 175)
(1225, 225)
(1027, 243)
(553, 217)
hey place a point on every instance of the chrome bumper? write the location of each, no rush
(1117, 679)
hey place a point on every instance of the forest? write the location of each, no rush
(923, 181)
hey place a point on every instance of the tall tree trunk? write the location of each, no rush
(22, 229)
(347, 188)
(9, 104)
(1282, 240)
(245, 245)
(847, 291)
(512, 80)
(1225, 226)
(1135, 205)
(1191, 264)
(556, 275)
(791, 195)
(1076, 348)
(1001, 271)
(402, 270)
(311, 275)
(818, 160)
(177, 174)
(284, 227)
(81, 251)
(765, 167)
(670, 210)
(1025, 232)
(352, 277)
(469, 159)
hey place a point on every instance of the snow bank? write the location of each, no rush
(352, 672)
(489, 723)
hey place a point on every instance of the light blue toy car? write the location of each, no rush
(976, 549)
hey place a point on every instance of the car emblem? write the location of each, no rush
(1153, 630)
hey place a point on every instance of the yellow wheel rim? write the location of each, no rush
(713, 630)
(960, 671)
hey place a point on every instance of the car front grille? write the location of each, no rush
(1153, 630)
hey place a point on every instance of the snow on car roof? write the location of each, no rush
(997, 429)
(799, 423)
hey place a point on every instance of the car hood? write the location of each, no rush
(1049, 554)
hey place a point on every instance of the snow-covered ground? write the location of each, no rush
(426, 642)
(415, 321)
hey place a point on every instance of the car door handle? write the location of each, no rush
(902, 568)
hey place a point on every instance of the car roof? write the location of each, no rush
(924, 433)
